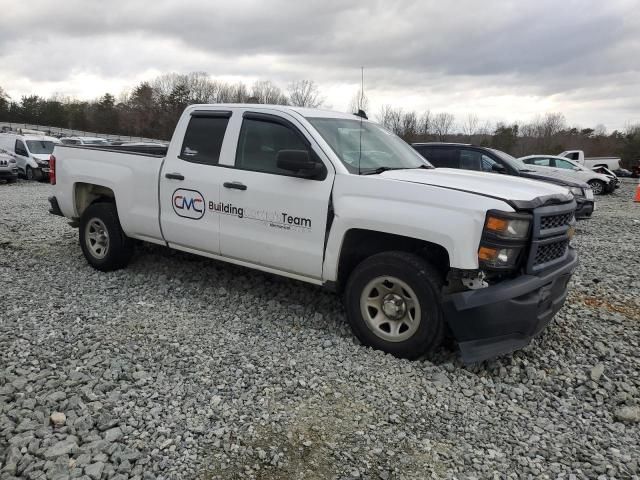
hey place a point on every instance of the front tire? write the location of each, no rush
(598, 187)
(393, 303)
(103, 242)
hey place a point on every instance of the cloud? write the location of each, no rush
(503, 60)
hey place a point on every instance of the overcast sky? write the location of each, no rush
(503, 60)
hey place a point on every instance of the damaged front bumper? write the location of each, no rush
(504, 317)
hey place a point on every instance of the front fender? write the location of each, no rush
(450, 218)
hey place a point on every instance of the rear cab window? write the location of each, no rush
(204, 136)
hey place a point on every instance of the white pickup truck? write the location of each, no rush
(612, 163)
(335, 200)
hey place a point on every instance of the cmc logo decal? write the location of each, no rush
(188, 203)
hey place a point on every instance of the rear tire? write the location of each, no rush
(393, 303)
(103, 242)
(598, 187)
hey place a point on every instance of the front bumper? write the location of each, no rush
(585, 208)
(504, 317)
(9, 173)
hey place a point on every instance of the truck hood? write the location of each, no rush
(41, 156)
(515, 190)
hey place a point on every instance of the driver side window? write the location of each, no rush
(259, 144)
(488, 163)
(20, 149)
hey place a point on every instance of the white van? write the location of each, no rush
(31, 153)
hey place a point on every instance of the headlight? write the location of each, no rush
(577, 191)
(504, 237)
(496, 257)
(508, 228)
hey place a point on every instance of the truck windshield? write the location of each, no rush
(40, 146)
(364, 147)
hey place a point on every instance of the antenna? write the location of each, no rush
(360, 114)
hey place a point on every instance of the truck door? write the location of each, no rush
(21, 155)
(190, 181)
(268, 216)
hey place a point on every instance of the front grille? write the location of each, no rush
(550, 251)
(554, 221)
(550, 237)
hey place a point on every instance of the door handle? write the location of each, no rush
(174, 176)
(236, 185)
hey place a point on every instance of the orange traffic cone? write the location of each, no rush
(637, 197)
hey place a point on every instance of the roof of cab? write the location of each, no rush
(305, 112)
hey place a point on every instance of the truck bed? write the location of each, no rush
(132, 176)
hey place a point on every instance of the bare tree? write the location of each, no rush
(359, 101)
(425, 125)
(470, 125)
(553, 123)
(391, 118)
(443, 125)
(409, 126)
(600, 130)
(305, 93)
(266, 92)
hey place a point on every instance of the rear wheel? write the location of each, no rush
(597, 186)
(393, 304)
(103, 242)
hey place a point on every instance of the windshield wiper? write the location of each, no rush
(375, 171)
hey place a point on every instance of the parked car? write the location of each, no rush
(483, 159)
(31, 153)
(600, 183)
(338, 201)
(84, 141)
(609, 174)
(623, 173)
(612, 163)
(8, 168)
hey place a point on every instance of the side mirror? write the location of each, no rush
(299, 163)
(496, 167)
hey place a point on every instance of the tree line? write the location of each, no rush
(151, 109)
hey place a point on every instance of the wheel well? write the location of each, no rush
(360, 244)
(86, 194)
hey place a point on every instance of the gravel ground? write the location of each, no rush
(182, 367)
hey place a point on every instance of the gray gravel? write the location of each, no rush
(182, 367)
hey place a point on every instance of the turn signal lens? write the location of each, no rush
(515, 228)
(496, 224)
(487, 254)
